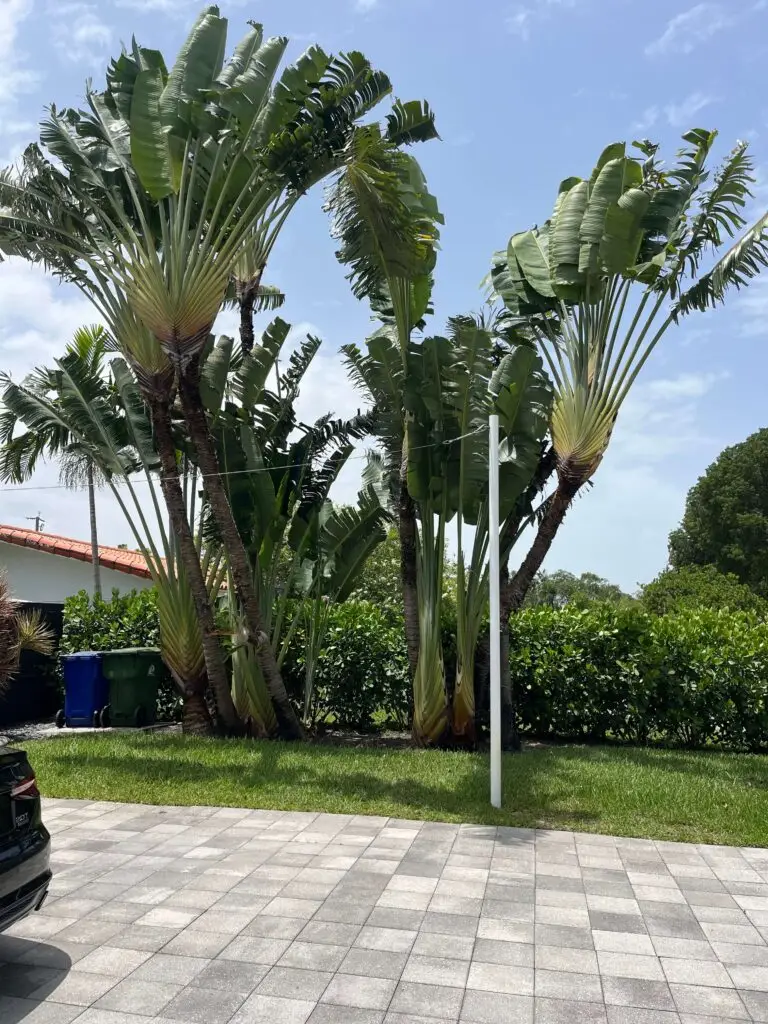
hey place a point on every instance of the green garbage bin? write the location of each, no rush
(134, 675)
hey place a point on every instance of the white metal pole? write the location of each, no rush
(495, 609)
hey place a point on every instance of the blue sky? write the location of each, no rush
(525, 94)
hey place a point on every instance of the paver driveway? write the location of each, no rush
(208, 915)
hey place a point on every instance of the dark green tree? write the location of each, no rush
(699, 586)
(560, 588)
(726, 516)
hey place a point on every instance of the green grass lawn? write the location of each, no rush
(661, 794)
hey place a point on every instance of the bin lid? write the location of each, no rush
(81, 654)
(147, 651)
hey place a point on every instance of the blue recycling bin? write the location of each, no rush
(86, 691)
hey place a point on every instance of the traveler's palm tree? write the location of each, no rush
(599, 284)
(279, 476)
(431, 401)
(166, 180)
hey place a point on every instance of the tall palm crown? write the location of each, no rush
(598, 285)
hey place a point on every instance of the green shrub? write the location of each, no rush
(609, 671)
(699, 586)
(362, 676)
(126, 620)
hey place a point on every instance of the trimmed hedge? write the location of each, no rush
(603, 672)
(690, 679)
(362, 679)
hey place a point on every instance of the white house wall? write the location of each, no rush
(38, 576)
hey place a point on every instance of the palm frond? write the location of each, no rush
(736, 268)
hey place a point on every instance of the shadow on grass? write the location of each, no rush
(433, 784)
(742, 768)
(621, 790)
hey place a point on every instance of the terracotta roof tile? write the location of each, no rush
(131, 562)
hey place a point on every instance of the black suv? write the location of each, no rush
(25, 844)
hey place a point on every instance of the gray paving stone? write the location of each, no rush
(495, 1008)
(556, 935)
(427, 1000)
(449, 924)
(568, 1011)
(76, 987)
(139, 996)
(203, 1006)
(394, 940)
(608, 921)
(326, 1013)
(636, 1015)
(564, 958)
(352, 990)
(373, 963)
(701, 972)
(260, 1009)
(717, 1002)
(649, 995)
(178, 970)
(496, 951)
(568, 985)
(231, 975)
(288, 981)
(749, 977)
(756, 1004)
(16, 1010)
(630, 965)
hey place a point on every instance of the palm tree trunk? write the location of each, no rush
(195, 716)
(247, 303)
(246, 296)
(94, 533)
(514, 594)
(237, 556)
(408, 573)
(174, 500)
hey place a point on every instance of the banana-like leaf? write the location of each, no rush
(215, 373)
(196, 68)
(150, 151)
(410, 122)
(564, 245)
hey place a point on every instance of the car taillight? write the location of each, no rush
(26, 789)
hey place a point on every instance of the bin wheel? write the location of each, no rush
(60, 719)
(140, 717)
(104, 717)
(95, 720)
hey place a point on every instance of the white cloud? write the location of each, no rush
(16, 77)
(521, 19)
(80, 35)
(175, 8)
(518, 22)
(365, 5)
(687, 385)
(647, 119)
(690, 29)
(753, 307)
(680, 114)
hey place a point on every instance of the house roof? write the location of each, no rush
(119, 559)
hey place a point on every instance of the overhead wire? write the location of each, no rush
(17, 489)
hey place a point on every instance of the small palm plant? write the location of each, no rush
(19, 631)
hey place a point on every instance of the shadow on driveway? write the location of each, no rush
(26, 967)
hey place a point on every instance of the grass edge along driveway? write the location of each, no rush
(685, 796)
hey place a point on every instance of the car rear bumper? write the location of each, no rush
(24, 876)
